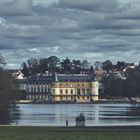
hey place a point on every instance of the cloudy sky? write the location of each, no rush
(95, 30)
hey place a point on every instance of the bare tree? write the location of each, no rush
(2, 61)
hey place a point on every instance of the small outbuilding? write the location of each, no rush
(80, 120)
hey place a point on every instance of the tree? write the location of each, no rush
(8, 88)
(25, 69)
(132, 82)
(97, 65)
(33, 65)
(120, 65)
(43, 64)
(66, 65)
(113, 87)
(128, 87)
(85, 66)
(107, 65)
(53, 63)
(76, 66)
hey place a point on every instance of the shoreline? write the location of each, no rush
(133, 128)
(114, 101)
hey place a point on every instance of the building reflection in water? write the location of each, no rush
(57, 114)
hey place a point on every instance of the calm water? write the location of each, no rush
(57, 114)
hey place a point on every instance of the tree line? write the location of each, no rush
(128, 87)
(121, 87)
(54, 64)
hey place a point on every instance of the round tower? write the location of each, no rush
(95, 90)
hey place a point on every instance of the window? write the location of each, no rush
(88, 92)
(83, 85)
(43, 87)
(53, 91)
(78, 91)
(61, 91)
(38, 88)
(71, 91)
(66, 91)
(49, 90)
(83, 91)
(33, 88)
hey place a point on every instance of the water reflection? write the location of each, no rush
(10, 116)
(4, 117)
(14, 115)
(57, 114)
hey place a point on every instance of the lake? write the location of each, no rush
(57, 114)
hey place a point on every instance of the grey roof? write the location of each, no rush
(75, 78)
(37, 79)
(41, 79)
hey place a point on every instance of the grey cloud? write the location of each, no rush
(15, 7)
(94, 5)
(125, 32)
(130, 11)
(82, 29)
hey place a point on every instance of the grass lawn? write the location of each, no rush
(69, 133)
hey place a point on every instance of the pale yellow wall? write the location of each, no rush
(95, 88)
(68, 91)
(95, 98)
(71, 84)
(92, 86)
